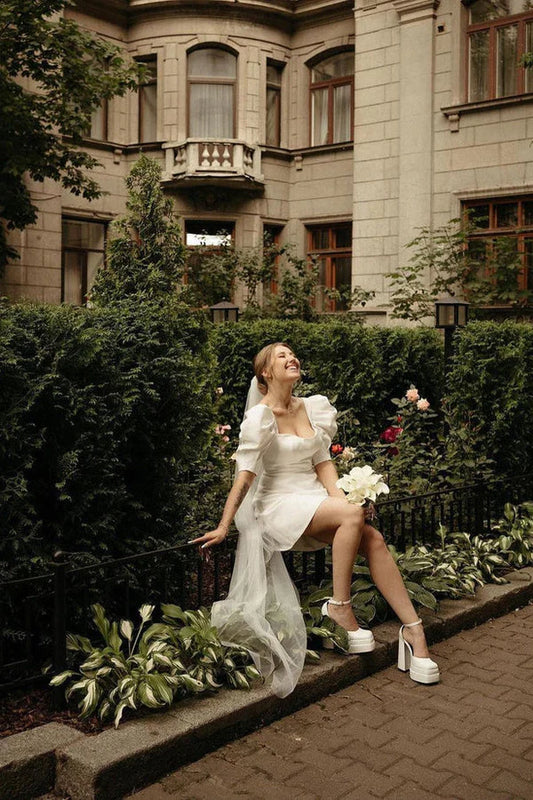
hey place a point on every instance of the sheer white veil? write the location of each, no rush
(262, 610)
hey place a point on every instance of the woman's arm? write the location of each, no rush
(327, 475)
(236, 495)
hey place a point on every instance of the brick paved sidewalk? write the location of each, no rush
(469, 737)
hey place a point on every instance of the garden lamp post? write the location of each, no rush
(224, 312)
(450, 314)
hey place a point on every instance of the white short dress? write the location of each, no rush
(288, 491)
(262, 610)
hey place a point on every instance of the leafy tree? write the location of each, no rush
(145, 254)
(446, 260)
(53, 76)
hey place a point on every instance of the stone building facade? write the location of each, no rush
(342, 130)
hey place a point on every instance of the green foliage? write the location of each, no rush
(439, 264)
(153, 666)
(145, 254)
(490, 386)
(360, 368)
(448, 260)
(53, 75)
(210, 274)
(420, 451)
(208, 661)
(514, 535)
(105, 416)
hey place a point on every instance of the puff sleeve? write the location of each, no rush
(323, 416)
(258, 429)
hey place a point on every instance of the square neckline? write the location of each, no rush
(295, 435)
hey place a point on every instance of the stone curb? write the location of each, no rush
(28, 760)
(115, 762)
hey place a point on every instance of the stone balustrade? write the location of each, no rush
(217, 161)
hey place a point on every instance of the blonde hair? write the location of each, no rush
(263, 360)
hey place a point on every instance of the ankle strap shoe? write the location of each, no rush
(359, 641)
(421, 670)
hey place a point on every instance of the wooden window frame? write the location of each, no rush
(208, 250)
(276, 87)
(329, 254)
(330, 85)
(83, 251)
(521, 232)
(214, 80)
(274, 232)
(151, 59)
(492, 27)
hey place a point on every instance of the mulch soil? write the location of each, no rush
(25, 710)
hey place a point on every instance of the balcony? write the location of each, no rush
(226, 163)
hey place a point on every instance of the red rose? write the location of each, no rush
(337, 449)
(390, 434)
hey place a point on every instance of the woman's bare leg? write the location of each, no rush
(341, 525)
(387, 578)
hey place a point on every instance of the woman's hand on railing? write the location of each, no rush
(211, 537)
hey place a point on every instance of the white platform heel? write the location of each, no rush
(421, 670)
(359, 641)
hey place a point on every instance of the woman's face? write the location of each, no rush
(284, 366)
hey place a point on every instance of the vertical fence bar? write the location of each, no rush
(60, 624)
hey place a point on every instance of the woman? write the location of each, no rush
(285, 497)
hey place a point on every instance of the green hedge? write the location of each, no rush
(360, 368)
(104, 415)
(491, 384)
(107, 415)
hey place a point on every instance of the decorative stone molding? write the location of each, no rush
(213, 162)
(415, 10)
(454, 113)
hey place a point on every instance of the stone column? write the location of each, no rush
(416, 116)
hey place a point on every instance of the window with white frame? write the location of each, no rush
(212, 81)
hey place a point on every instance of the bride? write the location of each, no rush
(285, 497)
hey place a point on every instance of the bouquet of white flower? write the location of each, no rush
(362, 484)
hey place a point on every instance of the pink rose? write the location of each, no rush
(423, 404)
(412, 394)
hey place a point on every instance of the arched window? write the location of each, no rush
(499, 33)
(212, 76)
(332, 99)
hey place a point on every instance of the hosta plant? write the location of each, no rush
(514, 535)
(206, 658)
(130, 669)
(150, 666)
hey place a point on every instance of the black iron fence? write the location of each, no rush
(36, 612)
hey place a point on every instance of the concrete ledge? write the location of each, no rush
(28, 760)
(115, 762)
